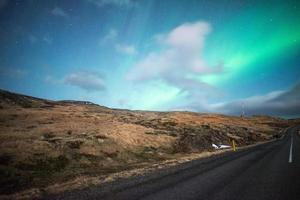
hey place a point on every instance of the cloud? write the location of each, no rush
(34, 39)
(89, 81)
(50, 79)
(110, 39)
(126, 49)
(110, 35)
(178, 60)
(120, 3)
(279, 103)
(48, 40)
(181, 55)
(59, 12)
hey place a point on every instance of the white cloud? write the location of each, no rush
(89, 81)
(121, 3)
(110, 36)
(181, 55)
(50, 79)
(126, 49)
(48, 40)
(283, 103)
(178, 59)
(59, 12)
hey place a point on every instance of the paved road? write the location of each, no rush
(268, 171)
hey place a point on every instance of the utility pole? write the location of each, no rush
(243, 110)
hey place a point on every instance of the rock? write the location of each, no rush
(74, 144)
(48, 135)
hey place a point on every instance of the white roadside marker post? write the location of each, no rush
(291, 151)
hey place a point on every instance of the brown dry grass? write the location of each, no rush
(52, 146)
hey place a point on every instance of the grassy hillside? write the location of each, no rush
(46, 142)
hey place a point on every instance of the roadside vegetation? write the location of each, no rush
(45, 143)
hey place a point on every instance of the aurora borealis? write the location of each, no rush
(265, 37)
(204, 56)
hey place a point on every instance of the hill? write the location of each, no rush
(45, 142)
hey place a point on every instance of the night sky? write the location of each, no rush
(197, 55)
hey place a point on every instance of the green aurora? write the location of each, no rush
(251, 38)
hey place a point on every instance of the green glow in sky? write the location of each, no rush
(239, 45)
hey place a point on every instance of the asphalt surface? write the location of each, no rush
(267, 171)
